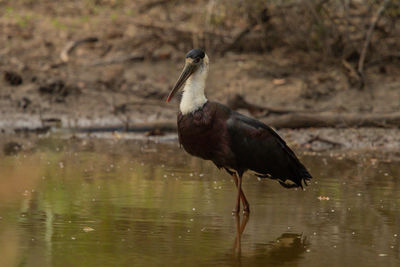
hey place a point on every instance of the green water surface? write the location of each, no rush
(101, 202)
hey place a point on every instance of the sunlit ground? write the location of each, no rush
(121, 202)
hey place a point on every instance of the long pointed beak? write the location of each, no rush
(187, 71)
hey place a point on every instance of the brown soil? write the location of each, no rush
(37, 88)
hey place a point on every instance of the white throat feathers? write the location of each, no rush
(193, 97)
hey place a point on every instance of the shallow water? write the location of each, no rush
(115, 203)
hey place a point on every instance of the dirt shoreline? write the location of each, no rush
(60, 71)
(368, 143)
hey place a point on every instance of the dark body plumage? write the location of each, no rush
(236, 142)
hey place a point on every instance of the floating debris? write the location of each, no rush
(87, 229)
(323, 198)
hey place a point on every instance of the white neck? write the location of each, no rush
(193, 93)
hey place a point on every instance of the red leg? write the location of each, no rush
(239, 188)
(246, 205)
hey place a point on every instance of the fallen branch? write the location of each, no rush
(163, 126)
(293, 121)
(70, 46)
(309, 120)
(323, 140)
(369, 36)
(123, 108)
(289, 118)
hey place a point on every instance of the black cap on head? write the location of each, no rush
(196, 53)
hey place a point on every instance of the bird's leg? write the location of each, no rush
(246, 205)
(239, 194)
(239, 188)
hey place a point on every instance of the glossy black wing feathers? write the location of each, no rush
(259, 148)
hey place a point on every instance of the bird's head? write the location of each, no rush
(196, 63)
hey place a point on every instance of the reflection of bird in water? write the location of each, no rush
(286, 248)
(240, 226)
(232, 141)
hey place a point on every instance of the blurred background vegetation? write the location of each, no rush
(327, 30)
(98, 58)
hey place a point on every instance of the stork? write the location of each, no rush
(232, 141)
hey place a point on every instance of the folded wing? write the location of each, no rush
(259, 148)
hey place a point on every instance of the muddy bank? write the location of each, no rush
(129, 95)
(63, 68)
(383, 144)
(61, 72)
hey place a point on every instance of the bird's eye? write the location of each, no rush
(196, 60)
